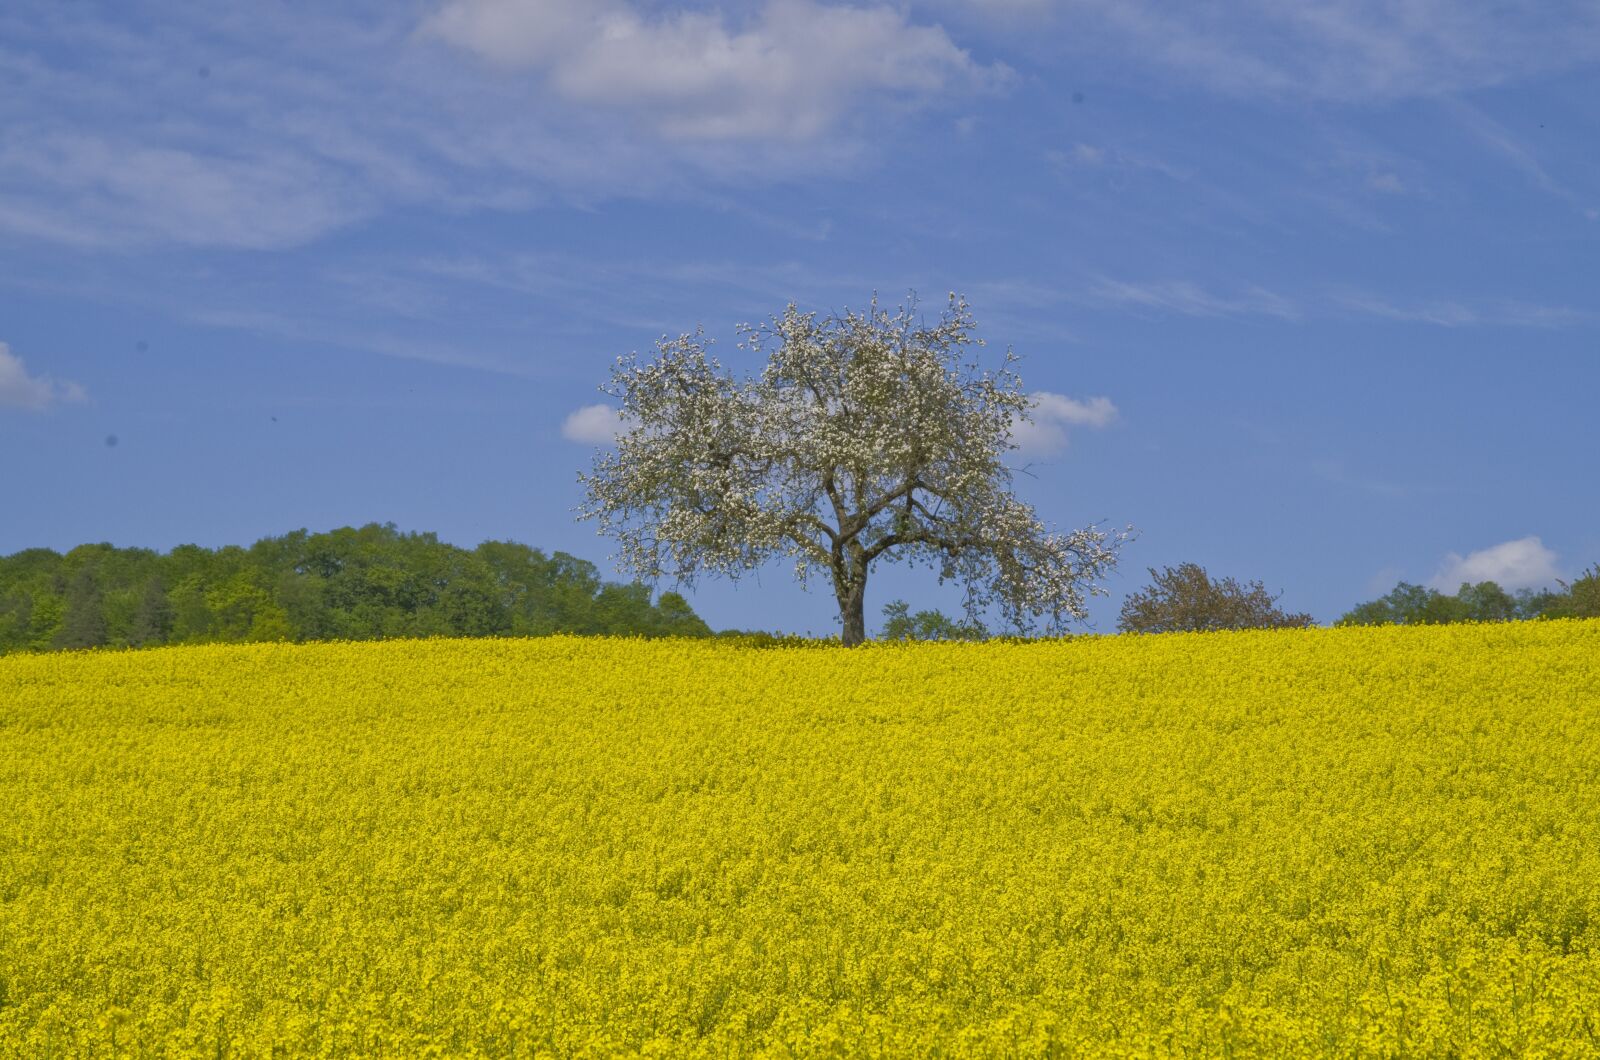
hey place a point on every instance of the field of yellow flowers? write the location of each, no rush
(1377, 842)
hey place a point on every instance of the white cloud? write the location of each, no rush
(1095, 412)
(1521, 564)
(20, 390)
(787, 73)
(289, 125)
(1052, 414)
(593, 424)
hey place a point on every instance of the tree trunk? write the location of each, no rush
(852, 611)
(851, 591)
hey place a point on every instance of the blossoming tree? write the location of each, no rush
(868, 436)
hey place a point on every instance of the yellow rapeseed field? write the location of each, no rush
(1375, 842)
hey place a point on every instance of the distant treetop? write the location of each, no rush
(1186, 599)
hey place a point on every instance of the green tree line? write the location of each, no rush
(348, 584)
(1408, 604)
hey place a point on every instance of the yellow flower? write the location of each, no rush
(1292, 843)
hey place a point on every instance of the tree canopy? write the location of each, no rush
(348, 584)
(1186, 599)
(1408, 604)
(866, 436)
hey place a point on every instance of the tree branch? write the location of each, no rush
(904, 490)
(832, 490)
(952, 545)
(809, 519)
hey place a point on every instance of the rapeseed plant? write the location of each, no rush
(1363, 841)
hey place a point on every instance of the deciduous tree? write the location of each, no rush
(1185, 599)
(867, 436)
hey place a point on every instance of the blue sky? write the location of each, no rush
(1333, 264)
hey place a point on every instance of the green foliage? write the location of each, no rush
(900, 624)
(84, 623)
(1580, 599)
(677, 619)
(46, 615)
(1416, 605)
(363, 583)
(152, 621)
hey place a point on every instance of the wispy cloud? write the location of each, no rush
(1514, 152)
(1335, 471)
(1352, 50)
(113, 139)
(643, 293)
(328, 330)
(1080, 154)
(1116, 167)
(95, 190)
(1194, 299)
(1500, 139)
(20, 389)
(1450, 313)
(1388, 183)
(588, 287)
(1521, 564)
(1191, 299)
